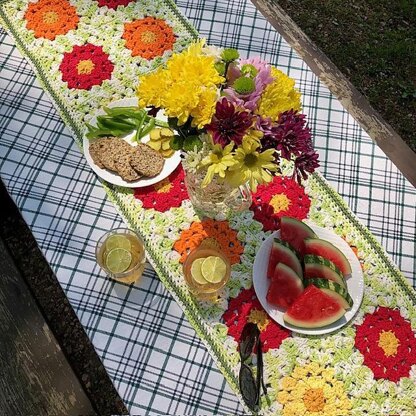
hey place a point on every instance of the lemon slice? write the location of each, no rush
(213, 269)
(117, 241)
(196, 271)
(118, 260)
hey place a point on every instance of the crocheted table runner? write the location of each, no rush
(87, 53)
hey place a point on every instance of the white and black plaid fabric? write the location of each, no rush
(152, 354)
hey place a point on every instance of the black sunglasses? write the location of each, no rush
(250, 385)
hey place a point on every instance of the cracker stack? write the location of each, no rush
(131, 163)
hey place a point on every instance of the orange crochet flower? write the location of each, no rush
(50, 18)
(219, 230)
(148, 37)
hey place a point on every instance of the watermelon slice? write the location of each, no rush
(336, 291)
(328, 251)
(313, 309)
(282, 252)
(294, 232)
(317, 266)
(285, 287)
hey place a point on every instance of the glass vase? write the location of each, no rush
(216, 198)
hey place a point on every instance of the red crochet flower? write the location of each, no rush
(113, 4)
(166, 194)
(282, 197)
(387, 343)
(247, 308)
(85, 66)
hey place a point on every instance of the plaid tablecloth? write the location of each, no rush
(152, 354)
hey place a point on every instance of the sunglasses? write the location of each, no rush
(250, 385)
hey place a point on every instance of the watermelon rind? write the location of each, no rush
(332, 289)
(317, 266)
(327, 250)
(292, 259)
(317, 324)
(294, 232)
(313, 309)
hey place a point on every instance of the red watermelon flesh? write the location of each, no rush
(328, 251)
(294, 232)
(285, 287)
(282, 252)
(313, 309)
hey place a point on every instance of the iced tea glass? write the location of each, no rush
(120, 253)
(218, 270)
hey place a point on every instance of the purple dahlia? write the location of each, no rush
(304, 164)
(228, 124)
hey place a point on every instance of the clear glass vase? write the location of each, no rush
(216, 198)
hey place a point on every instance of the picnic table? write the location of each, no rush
(171, 355)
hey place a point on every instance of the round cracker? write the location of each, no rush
(146, 161)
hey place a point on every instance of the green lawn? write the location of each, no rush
(374, 43)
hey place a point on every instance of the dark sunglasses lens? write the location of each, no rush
(248, 340)
(248, 387)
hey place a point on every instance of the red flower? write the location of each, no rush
(387, 343)
(113, 4)
(166, 194)
(247, 308)
(85, 66)
(282, 197)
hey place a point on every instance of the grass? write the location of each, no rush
(373, 42)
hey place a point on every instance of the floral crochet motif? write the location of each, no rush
(282, 197)
(166, 194)
(387, 343)
(247, 308)
(148, 37)
(113, 4)
(219, 230)
(50, 18)
(85, 66)
(312, 390)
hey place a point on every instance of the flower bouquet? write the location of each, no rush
(234, 119)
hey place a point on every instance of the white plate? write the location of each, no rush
(169, 166)
(355, 282)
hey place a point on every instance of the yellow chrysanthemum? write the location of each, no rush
(187, 86)
(150, 86)
(312, 390)
(251, 165)
(203, 112)
(279, 96)
(198, 69)
(179, 100)
(218, 161)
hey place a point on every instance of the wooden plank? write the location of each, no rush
(353, 101)
(36, 378)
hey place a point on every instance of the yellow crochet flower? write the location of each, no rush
(313, 390)
(251, 165)
(279, 96)
(187, 86)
